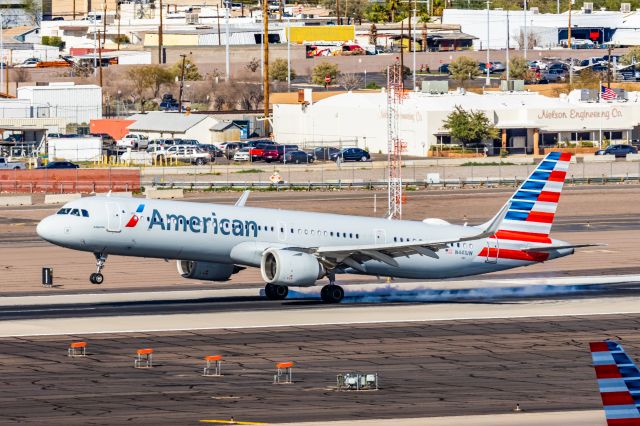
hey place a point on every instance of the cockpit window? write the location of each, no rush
(75, 212)
(64, 211)
(84, 213)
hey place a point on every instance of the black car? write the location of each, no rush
(351, 154)
(297, 157)
(60, 165)
(325, 152)
(212, 149)
(620, 151)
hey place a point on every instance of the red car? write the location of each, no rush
(257, 152)
(275, 152)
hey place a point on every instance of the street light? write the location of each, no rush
(487, 65)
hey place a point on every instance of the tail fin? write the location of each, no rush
(619, 383)
(533, 206)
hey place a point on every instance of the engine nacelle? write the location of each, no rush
(206, 271)
(288, 267)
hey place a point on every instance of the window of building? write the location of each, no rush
(580, 136)
(612, 135)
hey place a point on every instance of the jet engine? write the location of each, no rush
(206, 271)
(288, 267)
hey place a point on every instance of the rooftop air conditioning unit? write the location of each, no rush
(192, 18)
(435, 86)
(534, 10)
(625, 7)
(587, 7)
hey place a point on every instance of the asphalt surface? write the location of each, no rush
(425, 369)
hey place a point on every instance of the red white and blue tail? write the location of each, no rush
(533, 206)
(619, 383)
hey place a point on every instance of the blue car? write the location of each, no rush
(351, 154)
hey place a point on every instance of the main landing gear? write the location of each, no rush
(276, 292)
(97, 277)
(331, 293)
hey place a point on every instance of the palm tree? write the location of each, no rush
(393, 6)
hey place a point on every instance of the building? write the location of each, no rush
(589, 27)
(75, 103)
(158, 124)
(527, 121)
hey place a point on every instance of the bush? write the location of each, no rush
(52, 41)
(122, 39)
(323, 69)
(278, 70)
(373, 86)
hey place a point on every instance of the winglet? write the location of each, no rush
(495, 223)
(243, 199)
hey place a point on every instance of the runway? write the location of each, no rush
(426, 369)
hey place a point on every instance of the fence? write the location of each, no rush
(70, 181)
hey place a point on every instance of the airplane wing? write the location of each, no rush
(567, 246)
(243, 199)
(353, 256)
(619, 383)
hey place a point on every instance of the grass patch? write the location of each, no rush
(494, 163)
(250, 171)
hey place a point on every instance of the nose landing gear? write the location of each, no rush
(97, 277)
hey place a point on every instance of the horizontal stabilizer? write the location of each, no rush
(543, 249)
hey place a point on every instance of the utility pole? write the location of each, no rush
(413, 40)
(569, 27)
(507, 53)
(104, 23)
(609, 67)
(227, 35)
(337, 12)
(184, 59)
(100, 60)
(265, 70)
(74, 10)
(118, 16)
(526, 33)
(218, 19)
(402, 50)
(288, 54)
(160, 41)
(488, 80)
(2, 59)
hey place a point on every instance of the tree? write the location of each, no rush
(631, 57)
(469, 126)
(322, 70)
(349, 81)
(159, 76)
(190, 70)
(376, 13)
(278, 70)
(141, 81)
(253, 64)
(393, 6)
(519, 69)
(463, 68)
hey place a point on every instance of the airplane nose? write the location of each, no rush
(46, 229)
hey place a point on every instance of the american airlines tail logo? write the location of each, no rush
(135, 217)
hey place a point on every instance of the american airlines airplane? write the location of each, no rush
(291, 248)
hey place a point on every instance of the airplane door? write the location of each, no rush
(381, 236)
(113, 217)
(282, 231)
(493, 249)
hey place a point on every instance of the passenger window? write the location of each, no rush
(350, 235)
(84, 213)
(395, 239)
(313, 232)
(281, 229)
(306, 232)
(331, 233)
(344, 235)
(357, 236)
(292, 230)
(401, 240)
(75, 212)
(272, 229)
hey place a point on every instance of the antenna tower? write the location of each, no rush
(395, 95)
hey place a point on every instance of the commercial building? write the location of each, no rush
(589, 27)
(75, 103)
(527, 122)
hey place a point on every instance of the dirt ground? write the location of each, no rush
(586, 215)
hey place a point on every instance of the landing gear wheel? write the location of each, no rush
(332, 294)
(96, 278)
(276, 292)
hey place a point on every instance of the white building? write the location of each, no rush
(526, 121)
(159, 124)
(75, 103)
(545, 30)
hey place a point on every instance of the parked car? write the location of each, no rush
(619, 151)
(186, 142)
(55, 135)
(554, 75)
(60, 165)
(242, 154)
(107, 139)
(12, 165)
(325, 152)
(212, 149)
(497, 66)
(297, 157)
(275, 152)
(444, 69)
(257, 151)
(188, 154)
(29, 63)
(133, 140)
(351, 154)
(230, 148)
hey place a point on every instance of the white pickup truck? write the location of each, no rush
(12, 165)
